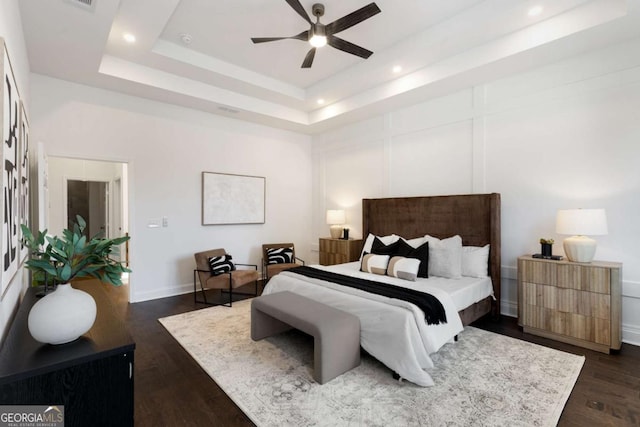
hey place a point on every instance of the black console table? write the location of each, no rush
(91, 376)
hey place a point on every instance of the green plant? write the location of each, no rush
(72, 256)
(546, 241)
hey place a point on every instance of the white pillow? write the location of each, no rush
(417, 242)
(475, 261)
(403, 268)
(445, 257)
(387, 240)
(376, 264)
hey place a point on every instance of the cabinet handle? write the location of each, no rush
(130, 370)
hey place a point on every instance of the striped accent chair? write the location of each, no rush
(226, 281)
(277, 257)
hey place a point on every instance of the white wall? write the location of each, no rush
(11, 32)
(167, 148)
(562, 136)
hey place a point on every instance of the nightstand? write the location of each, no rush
(339, 251)
(576, 303)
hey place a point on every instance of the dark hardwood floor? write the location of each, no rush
(172, 390)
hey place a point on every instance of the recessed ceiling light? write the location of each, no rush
(129, 38)
(186, 38)
(535, 11)
(397, 68)
(320, 101)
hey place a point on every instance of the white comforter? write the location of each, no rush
(393, 331)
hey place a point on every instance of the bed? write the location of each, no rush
(394, 331)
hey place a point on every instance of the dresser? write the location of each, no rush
(577, 303)
(91, 376)
(339, 251)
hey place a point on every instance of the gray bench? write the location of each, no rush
(336, 333)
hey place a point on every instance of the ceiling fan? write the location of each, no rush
(319, 34)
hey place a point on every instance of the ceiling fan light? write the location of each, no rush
(318, 35)
(318, 41)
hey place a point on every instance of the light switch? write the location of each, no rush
(165, 221)
(154, 223)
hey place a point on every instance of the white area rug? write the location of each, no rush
(483, 379)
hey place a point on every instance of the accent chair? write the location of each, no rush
(226, 281)
(277, 257)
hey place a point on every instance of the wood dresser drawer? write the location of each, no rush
(339, 251)
(571, 302)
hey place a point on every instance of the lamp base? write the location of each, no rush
(579, 248)
(336, 231)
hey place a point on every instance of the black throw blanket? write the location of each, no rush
(433, 310)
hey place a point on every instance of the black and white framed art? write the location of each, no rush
(10, 171)
(24, 191)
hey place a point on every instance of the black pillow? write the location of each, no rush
(279, 255)
(402, 248)
(379, 248)
(221, 264)
(421, 252)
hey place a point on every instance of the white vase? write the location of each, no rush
(62, 316)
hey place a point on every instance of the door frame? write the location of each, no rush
(128, 189)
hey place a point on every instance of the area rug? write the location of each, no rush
(483, 379)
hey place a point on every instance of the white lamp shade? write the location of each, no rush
(581, 222)
(335, 217)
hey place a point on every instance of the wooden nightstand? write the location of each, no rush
(577, 303)
(339, 251)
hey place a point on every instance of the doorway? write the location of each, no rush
(90, 200)
(96, 190)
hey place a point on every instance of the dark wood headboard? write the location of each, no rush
(474, 217)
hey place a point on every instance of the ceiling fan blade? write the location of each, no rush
(295, 4)
(304, 36)
(352, 19)
(348, 47)
(267, 39)
(308, 60)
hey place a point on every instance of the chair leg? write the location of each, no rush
(195, 291)
(204, 294)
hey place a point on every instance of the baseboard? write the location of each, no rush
(509, 308)
(161, 293)
(631, 335)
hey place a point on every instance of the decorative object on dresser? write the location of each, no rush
(546, 250)
(338, 251)
(227, 280)
(277, 257)
(336, 218)
(546, 247)
(579, 223)
(92, 376)
(576, 303)
(67, 313)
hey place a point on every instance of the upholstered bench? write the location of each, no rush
(336, 333)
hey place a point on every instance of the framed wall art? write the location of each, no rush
(10, 171)
(232, 199)
(24, 191)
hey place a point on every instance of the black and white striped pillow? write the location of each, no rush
(221, 264)
(280, 255)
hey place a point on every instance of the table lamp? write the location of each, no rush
(335, 218)
(579, 223)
